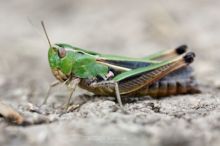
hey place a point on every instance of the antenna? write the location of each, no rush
(44, 28)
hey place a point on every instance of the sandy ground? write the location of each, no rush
(133, 28)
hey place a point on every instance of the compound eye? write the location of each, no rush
(62, 52)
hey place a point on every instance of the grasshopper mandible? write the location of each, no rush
(161, 74)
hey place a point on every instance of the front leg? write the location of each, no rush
(55, 83)
(72, 86)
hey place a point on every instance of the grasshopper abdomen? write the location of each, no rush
(180, 82)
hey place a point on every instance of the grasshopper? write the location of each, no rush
(161, 74)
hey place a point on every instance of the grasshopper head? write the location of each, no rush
(60, 62)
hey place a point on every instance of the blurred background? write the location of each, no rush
(132, 28)
(128, 27)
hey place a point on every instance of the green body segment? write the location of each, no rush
(83, 64)
(76, 63)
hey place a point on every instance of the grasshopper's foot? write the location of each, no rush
(70, 108)
(44, 102)
(123, 110)
(66, 106)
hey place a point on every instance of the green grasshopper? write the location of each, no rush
(161, 74)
